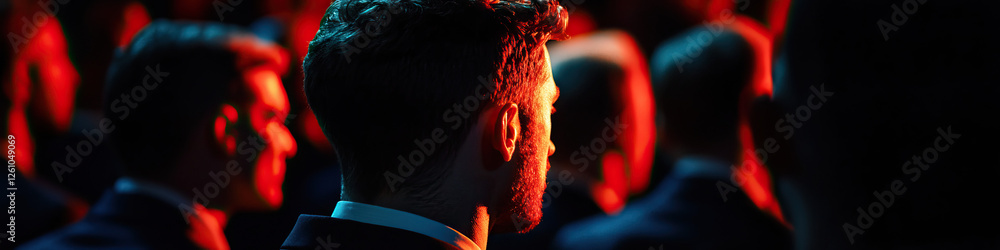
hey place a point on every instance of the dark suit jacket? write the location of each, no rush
(685, 211)
(326, 233)
(122, 221)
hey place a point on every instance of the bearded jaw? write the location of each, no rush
(525, 210)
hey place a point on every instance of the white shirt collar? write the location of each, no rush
(388, 217)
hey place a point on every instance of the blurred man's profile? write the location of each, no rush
(698, 104)
(439, 112)
(196, 112)
(38, 83)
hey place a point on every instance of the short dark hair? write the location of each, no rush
(590, 92)
(380, 73)
(177, 74)
(698, 103)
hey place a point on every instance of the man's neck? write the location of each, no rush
(479, 229)
(473, 223)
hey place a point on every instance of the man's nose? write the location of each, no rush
(552, 148)
(292, 145)
(284, 140)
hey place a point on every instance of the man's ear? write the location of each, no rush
(225, 129)
(506, 131)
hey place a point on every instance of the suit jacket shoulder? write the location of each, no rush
(314, 232)
(122, 221)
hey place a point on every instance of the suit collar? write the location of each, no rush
(393, 218)
(312, 232)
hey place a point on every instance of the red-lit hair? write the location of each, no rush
(384, 71)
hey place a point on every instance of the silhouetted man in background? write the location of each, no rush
(440, 114)
(39, 84)
(698, 106)
(196, 111)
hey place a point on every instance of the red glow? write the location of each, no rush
(206, 228)
(759, 38)
(610, 193)
(57, 77)
(267, 116)
(284, 7)
(229, 116)
(639, 113)
(305, 23)
(638, 110)
(76, 208)
(778, 16)
(607, 199)
(580, 22)
(220, 130)
(304, 26)
(758, 184)
(253, 52)
(717, 7)
(55, 87)
(269, 174)
(264, 63)
(133, 20)
(195, 9)
(313, 132)
(230, 112)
